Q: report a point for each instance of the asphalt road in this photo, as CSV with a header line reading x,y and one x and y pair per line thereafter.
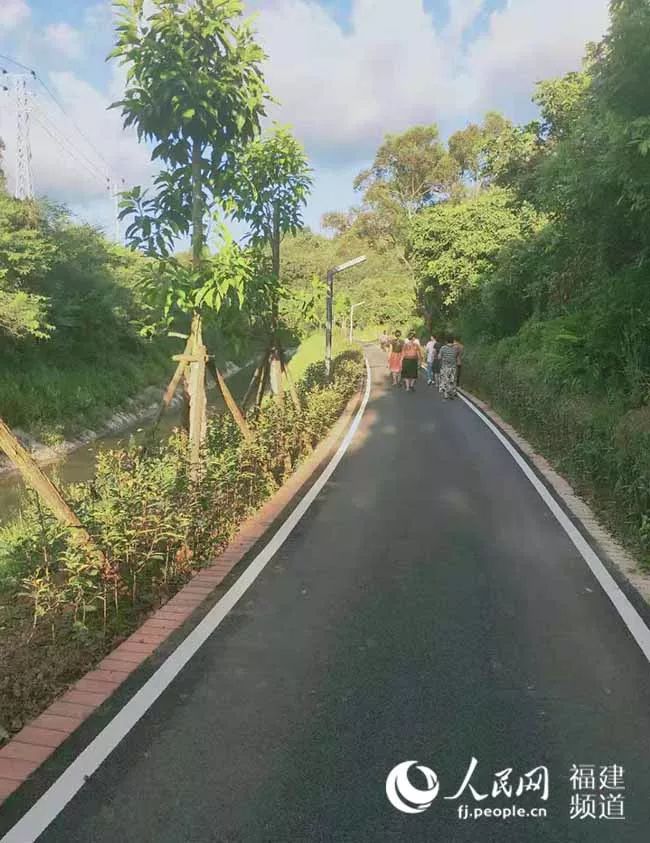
x,y
428,607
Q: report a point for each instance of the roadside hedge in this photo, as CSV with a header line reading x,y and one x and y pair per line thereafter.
x,y
60,611
600,443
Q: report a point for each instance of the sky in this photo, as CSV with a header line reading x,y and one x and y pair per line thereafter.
x,y
345,72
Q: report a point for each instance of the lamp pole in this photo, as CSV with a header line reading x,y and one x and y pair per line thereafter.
x,y
329,312
352,306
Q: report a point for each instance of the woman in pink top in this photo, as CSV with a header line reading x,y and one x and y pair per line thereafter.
x,y
395,357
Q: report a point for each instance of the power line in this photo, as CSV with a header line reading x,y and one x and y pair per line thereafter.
x,y
65,139
60,141
18,64
58,102
112,184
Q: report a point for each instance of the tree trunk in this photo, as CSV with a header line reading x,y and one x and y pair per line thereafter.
x,y
197,393
261,389
47,491
276,375
276,366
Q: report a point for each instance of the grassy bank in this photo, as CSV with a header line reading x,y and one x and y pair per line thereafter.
x,y
597,441
55,398
312,352
54,394
61,611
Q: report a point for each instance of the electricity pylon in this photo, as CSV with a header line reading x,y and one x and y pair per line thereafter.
x,y
24,182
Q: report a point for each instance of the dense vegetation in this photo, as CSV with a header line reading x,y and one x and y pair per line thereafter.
x,y
70,311
533,243
156,523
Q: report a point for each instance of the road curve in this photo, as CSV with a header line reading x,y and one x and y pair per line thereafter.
x,y
428,607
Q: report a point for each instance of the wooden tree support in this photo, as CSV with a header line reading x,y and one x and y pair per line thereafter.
x,y
254,382
173,385
185,361
273,357
292,387
47,491
196,388
230,402
264,379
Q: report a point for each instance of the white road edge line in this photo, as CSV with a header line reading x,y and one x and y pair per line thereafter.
x,y
631,618
53,801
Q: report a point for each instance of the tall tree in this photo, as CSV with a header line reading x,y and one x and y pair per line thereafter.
x,y
453,246
272,181
195,88
410,171
470,147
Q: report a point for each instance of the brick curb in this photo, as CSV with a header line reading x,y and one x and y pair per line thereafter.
x,y
623,562
37,741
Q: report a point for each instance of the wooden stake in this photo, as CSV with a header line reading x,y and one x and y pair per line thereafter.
x,y
254,380
47,491
276,375
236,413
263,380
292,387
172,386
198,403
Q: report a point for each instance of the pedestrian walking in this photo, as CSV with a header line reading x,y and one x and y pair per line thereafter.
x,y
411,359
396,346
384,340
436,364
460,348
448,362
431,354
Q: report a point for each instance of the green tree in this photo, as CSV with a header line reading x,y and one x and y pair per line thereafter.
x,y
474,146
453,246
410,171
195,88
26,256
272,184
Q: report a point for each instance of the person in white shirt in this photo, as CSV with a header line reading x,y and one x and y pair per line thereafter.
x,y
431,351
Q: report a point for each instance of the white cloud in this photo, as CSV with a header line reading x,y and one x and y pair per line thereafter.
x,y
13,13
65,39
98,16
343,89
529,41
69,164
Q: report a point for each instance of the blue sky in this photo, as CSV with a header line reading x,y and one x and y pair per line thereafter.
x,y
345,71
